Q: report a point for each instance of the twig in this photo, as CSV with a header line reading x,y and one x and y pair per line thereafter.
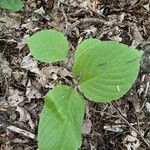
x,y
147,88
19,130
85,21
143,104
64,14
126,121
6,84
145,94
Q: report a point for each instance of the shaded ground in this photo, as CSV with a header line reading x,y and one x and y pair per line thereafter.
x,y
24,81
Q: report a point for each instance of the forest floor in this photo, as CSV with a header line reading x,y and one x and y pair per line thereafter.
x,y
123,124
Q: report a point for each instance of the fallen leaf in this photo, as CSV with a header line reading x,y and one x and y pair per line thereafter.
x,y
86,128
137,37
4,66
147,106
29,64
33,90
15,97
131,142
25,116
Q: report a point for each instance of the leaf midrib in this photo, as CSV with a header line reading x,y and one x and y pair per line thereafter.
x,y
65,123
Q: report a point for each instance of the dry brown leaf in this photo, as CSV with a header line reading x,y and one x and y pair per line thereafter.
x,y
29,64
15,97
137,37
4,66
131,142
25,116
86,127
33,90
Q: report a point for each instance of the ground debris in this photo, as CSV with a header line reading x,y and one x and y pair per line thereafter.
x,y
24,81
15,97
4,67
29,64
131,142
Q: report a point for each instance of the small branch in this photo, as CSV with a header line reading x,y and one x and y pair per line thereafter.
x,y
147,88
7,85
85,21
64,15
126,121
18,130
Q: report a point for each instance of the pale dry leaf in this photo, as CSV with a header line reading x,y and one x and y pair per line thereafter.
x,y
25,116
18,75
131,142
147,106
33,93
92,147
15,97
22,113
4,66
135,101
29,64
116,38
11,22
24,79
85,4
121,17
28,25
40,11
140,90
23,42
49,70
3,105
46,74
33,90
148,135
133,133
63,73
133,2
54,76
92,30
113,128
147,7
87,111
73,3
137,37
86,128
145,62
17,140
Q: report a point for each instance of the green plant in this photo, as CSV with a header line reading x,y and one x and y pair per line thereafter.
x,y
12,5
105,71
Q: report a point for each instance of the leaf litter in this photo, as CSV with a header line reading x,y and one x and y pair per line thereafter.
x,y
24,81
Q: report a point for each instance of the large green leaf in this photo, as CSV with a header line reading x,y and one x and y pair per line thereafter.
x,y
106,70
61,120
48,46
12,5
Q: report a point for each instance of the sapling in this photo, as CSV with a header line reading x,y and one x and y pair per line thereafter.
x,y
105,71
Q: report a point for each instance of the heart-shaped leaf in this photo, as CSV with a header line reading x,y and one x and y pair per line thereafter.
x,y
61,120
12,5
106,70
48,46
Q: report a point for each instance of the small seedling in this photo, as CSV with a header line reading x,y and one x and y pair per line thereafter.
x,y
12,5
105,71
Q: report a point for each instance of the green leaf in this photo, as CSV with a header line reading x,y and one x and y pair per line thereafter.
x,y
106,70
61,120
12,5
48,46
